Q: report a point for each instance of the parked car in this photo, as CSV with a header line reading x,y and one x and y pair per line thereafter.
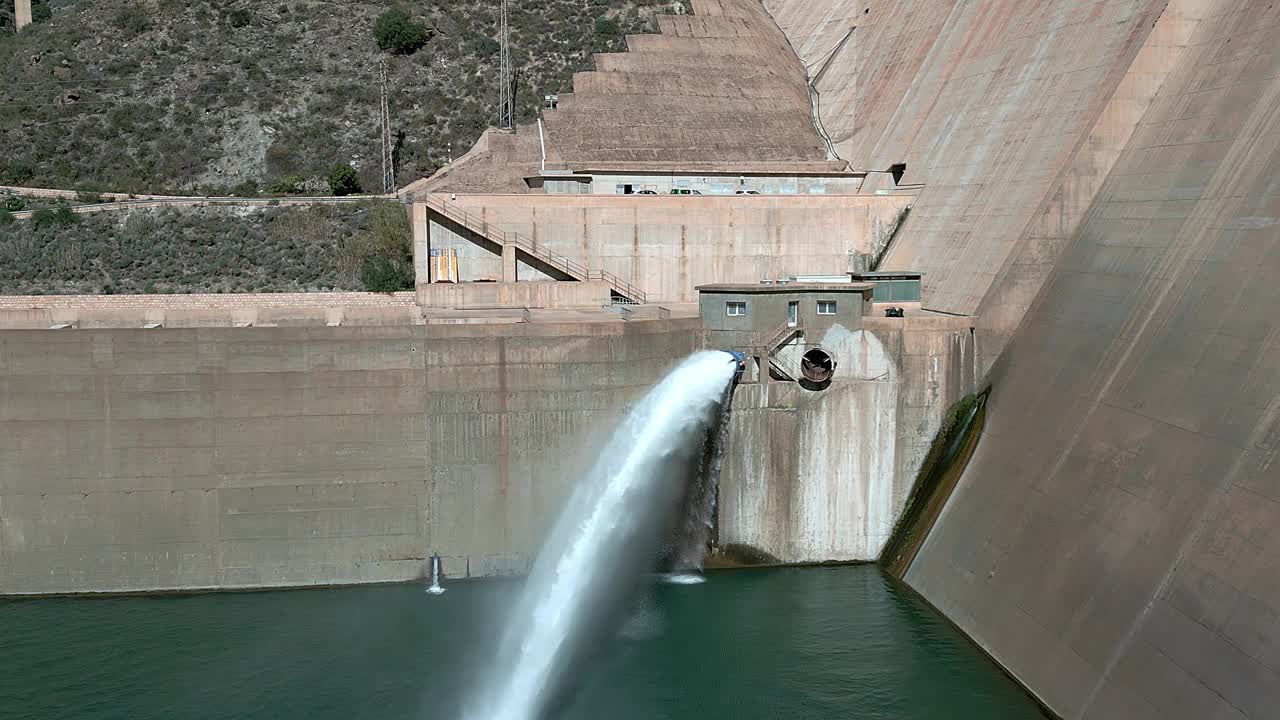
x,y
746,192
684,191
646,192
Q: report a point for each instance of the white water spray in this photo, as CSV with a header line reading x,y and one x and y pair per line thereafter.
x,y
435,588
603,547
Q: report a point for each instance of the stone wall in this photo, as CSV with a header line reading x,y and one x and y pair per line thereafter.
x,y
136,460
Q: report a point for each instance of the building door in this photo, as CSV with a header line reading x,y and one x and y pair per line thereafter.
x,y
793,313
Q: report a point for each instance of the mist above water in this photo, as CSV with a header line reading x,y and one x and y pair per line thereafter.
x,y
600,554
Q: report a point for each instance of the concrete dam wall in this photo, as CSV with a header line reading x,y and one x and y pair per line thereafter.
x,y
1100,191
264,457
1134,427
813,476
1010,113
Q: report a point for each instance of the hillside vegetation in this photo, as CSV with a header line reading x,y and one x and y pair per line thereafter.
x,y
209,96
211,249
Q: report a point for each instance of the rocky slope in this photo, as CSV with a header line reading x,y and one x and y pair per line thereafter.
x,y
198,95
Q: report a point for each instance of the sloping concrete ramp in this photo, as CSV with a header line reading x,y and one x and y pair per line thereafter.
x,y
1115,541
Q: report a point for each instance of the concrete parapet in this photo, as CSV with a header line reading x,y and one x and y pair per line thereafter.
x,y
534,294
208,310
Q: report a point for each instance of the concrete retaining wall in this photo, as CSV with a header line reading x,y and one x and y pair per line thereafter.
x,y
262,457
668,245
823,475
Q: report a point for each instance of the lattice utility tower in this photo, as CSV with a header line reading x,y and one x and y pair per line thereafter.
x,y
388,157
506,99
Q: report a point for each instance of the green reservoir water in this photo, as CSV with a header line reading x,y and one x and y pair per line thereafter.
x,y
792,644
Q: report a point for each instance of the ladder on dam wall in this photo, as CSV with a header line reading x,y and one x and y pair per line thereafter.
x,y
624,291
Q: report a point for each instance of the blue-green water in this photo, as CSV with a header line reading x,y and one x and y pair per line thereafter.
x,y
797,644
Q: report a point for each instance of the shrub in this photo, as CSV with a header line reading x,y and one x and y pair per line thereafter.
x,y
384,274
397,33
40,10
131,19
64,215
14,204
240,17
15,172
605,26
382,254
290,185
6,217
343,180
61,215
88,197
248,188
483,45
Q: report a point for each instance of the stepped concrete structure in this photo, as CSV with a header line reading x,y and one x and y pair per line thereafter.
x,y
719,89
1096,216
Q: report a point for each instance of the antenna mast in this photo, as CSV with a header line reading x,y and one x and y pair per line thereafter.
x,y
388,157
506,104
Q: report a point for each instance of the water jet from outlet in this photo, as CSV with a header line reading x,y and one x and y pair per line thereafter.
x,y
602,549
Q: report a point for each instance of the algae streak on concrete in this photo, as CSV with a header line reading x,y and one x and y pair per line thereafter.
x,y
135,460
817,475
1115,541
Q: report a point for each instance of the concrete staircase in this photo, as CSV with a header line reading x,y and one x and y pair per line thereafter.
x,y
541,255
768,346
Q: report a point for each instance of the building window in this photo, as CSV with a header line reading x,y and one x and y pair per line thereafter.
x,y
793,313
735,309
826,307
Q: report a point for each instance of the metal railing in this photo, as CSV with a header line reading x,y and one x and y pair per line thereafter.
x,y
780,336
544,254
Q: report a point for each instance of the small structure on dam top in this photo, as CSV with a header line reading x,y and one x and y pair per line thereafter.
x,y
764,322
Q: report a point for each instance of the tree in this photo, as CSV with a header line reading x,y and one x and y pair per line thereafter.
x,y
40,10
383,274
382,254
397,33
343,180
606,26
131,19
15,172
